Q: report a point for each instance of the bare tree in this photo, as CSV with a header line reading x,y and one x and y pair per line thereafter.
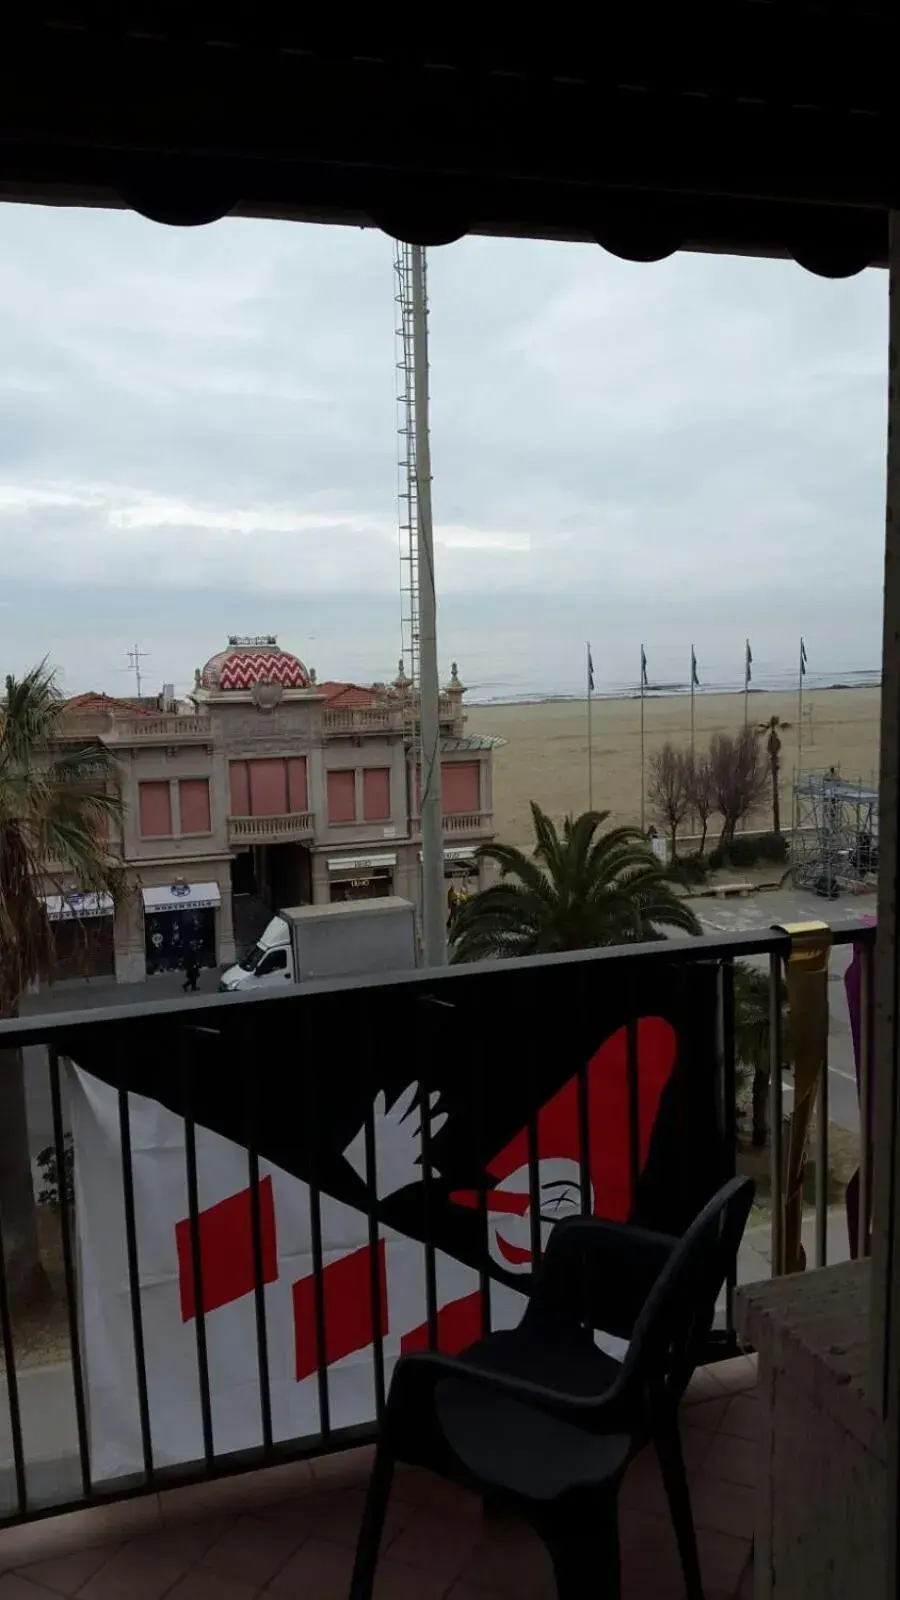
x,y
700,786
739,777
669,789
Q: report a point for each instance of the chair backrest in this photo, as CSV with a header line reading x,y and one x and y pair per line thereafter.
x,y
679,1309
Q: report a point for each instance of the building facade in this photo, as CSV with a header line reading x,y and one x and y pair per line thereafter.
x,y
264,789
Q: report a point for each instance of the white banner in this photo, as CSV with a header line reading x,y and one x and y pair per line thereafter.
x,y
167,1283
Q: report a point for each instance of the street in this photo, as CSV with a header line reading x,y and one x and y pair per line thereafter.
x,y
91,996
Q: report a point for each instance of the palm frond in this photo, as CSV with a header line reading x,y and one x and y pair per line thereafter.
x,y
57,799
580,889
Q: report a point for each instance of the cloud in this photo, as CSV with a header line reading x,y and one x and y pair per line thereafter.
x,y
203,422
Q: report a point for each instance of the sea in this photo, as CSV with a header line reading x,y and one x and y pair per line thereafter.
x,y
500,692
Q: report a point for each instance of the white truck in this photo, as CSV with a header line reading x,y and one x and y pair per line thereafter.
x,y
345,940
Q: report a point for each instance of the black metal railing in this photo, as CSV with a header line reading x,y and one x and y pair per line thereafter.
x,y
418,1136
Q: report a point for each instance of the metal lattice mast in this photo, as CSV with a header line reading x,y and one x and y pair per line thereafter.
x,y
407,491
418,597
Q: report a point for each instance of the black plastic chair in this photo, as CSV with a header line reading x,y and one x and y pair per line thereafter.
x,y
539,1419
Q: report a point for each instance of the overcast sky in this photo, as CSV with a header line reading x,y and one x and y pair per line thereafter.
x,y
198,436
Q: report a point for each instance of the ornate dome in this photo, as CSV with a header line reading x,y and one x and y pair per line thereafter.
x,y
249,661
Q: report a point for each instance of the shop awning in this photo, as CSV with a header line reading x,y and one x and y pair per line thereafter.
x,y
72,907
182,897
360,863
458,852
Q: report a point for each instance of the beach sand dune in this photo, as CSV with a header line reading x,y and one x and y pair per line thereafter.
x,y
546,756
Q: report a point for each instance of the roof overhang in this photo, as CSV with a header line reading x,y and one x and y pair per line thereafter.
x,y
760,127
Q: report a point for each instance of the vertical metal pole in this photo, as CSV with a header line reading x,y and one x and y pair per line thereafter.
x,y
800,712
692,702
884,1375
776,1142
589,731
434,924
643,795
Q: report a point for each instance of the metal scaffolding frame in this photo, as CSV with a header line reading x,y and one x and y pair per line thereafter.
x,y
835,844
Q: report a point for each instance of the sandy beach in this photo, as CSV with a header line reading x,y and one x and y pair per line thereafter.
x,y
545,758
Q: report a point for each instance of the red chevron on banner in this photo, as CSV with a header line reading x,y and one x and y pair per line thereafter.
x,y
225,1236
347,1292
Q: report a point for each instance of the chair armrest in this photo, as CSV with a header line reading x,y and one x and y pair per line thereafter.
x,y
599,1272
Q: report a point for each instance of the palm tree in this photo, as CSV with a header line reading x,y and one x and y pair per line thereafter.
x,y
772,728
577,890
56,799
752,1039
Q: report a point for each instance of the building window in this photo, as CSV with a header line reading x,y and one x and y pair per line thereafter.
x,y
376,794
268,788
459,787
239,786
193,796
341,796
155,810
298,796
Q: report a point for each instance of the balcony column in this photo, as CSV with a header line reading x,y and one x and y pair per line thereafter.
x,y
884,1373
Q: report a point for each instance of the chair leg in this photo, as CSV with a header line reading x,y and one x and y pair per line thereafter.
x,y
671,1461
584,1549
371,1527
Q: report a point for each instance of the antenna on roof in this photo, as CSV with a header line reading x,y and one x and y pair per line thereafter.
x,y
135,656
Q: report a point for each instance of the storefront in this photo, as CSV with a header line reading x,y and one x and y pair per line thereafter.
x,y
361,877
177,918
460,876
83,935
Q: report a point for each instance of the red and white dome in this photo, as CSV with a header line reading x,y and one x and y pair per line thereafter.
x,y
250,661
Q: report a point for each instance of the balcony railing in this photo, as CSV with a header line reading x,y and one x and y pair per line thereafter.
x,y
169,728
271,830
247,1188
379,719
365,719
470,822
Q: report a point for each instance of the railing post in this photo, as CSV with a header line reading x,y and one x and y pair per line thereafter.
x,y
776,1142
807,985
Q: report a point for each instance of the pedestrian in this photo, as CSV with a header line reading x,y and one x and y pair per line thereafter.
x,y
191,971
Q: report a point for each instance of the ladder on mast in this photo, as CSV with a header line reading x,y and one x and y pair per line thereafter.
x,y
407,490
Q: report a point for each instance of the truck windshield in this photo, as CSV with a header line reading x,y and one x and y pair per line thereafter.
x,y
252,959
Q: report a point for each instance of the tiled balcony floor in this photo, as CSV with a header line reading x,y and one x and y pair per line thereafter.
x,y
289,1532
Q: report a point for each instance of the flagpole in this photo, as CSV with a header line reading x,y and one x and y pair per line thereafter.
x,y
800,709
693,677
747,686
643,677
590,685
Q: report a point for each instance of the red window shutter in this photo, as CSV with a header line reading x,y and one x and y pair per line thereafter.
x,y
193,799
155,810
341,796
377,794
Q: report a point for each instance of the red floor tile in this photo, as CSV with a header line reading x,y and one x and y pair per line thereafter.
x,y
731,1459
741,1416
291,1532
319,1571
253,1551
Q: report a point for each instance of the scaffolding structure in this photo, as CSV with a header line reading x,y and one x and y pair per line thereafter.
x,y
835,844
